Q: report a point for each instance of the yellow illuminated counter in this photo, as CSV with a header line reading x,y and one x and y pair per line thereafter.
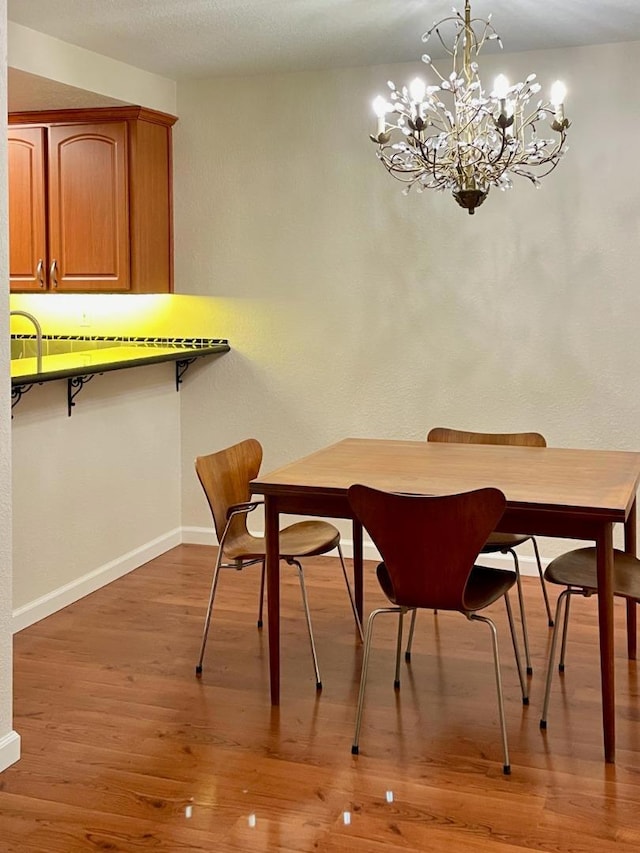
x,y
78,359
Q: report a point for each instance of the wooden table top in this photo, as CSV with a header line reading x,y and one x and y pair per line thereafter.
x,y
598,483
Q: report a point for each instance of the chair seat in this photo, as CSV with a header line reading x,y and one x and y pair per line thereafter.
x,y
578,568
502,541
484,586
302,539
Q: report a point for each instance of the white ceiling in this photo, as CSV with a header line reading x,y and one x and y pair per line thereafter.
x,y
200,38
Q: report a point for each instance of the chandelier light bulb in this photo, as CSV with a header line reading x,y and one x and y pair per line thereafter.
x,y
380,107
501,87
417,90
457,135
558,93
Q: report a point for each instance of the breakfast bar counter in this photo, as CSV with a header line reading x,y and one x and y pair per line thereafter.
x,y
77,359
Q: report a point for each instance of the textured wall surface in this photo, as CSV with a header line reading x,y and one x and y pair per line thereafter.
x,y
91,488
6,688
353,310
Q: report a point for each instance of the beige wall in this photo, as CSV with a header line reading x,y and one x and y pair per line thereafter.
x,y
9,741
359,311
91,490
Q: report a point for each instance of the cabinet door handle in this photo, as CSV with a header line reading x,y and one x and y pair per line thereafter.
x,y
40,273
53,277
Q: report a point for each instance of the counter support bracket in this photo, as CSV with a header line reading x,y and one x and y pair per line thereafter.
x,y
181,369
77,383
18,392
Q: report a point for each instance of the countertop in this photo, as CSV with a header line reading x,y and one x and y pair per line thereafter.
x,y
68,356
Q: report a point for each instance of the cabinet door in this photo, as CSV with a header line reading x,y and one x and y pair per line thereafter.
x,y
27,231
88,207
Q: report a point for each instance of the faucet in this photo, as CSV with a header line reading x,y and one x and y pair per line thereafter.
x,y
38,329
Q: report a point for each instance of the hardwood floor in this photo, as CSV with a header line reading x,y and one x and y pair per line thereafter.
x,y
123,749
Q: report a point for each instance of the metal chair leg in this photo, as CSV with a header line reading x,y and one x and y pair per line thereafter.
x,y
396,681
516,651
563,598
365,668
506,767
542,583
262,575
349,591
207,621
412,626
305,603
523,615
565,632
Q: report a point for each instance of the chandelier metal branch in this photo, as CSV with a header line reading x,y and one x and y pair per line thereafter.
x,y
452,135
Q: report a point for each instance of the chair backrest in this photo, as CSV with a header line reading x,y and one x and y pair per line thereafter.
x,y
225,478
459,436
428,544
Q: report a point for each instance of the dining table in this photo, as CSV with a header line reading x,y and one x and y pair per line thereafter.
x,y
550,491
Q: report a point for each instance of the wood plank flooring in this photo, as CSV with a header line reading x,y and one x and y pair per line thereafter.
x,y
123,749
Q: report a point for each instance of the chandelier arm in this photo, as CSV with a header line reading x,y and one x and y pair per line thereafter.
x,y
511,159
396,164
503,145
489,30
441,124
534,177
431,163
435,30
433,68
459,21
532,118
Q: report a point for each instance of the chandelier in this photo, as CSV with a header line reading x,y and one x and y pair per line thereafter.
x,y
453,135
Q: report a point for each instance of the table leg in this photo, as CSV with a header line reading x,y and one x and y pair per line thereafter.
x,y
630,548
271,519
604,549
358,586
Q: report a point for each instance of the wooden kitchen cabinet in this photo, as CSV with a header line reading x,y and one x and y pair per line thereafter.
x,y
27,231
90,201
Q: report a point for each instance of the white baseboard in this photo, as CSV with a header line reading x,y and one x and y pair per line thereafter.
x,y
9,750
42,607
527,564
199,536
70,592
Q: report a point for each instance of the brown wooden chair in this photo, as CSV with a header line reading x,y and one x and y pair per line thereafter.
x,y
577,571
225,478
428,546
504,543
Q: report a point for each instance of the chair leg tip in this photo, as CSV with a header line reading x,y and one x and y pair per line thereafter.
x,y
407,657
529,670
396,685
551,623
354,749
506,769
525,700
543,724
198,671
318,685
561,668
259,623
